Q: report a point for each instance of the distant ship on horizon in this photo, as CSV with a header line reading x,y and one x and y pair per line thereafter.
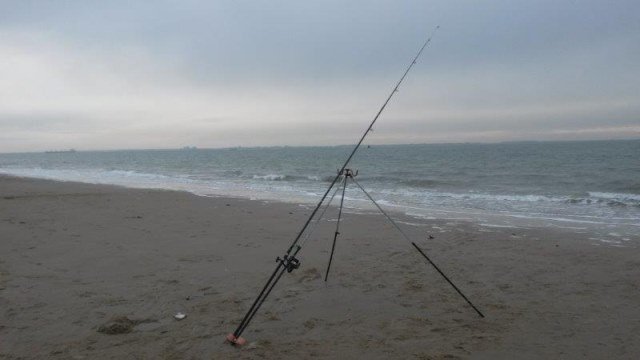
x,y
60,151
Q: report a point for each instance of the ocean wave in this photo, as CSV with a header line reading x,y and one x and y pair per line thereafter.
x,y
606,198
271,177
591,198
473,196
97,176
284,177
615,196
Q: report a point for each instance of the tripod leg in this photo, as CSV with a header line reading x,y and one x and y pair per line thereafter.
x,y
335,235
419,250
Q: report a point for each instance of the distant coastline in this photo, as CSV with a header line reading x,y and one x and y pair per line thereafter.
x,y
327,146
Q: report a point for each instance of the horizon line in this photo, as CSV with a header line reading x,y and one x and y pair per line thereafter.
x,y
195,148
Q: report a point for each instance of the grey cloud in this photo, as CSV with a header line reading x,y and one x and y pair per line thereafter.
x,y
496,67
328,38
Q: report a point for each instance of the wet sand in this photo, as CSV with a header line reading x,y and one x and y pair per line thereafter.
x,y
74,256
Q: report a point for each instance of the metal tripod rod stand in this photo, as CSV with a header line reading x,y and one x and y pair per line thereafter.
x,y
289,262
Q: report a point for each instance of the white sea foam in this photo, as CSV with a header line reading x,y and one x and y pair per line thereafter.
x,y
132,179
615,196
490,210
270,177
498,226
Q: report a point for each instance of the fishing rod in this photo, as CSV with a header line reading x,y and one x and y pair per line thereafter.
x,y
289,262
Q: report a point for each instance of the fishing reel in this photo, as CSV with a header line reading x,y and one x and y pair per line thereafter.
x,y
290,262
348,173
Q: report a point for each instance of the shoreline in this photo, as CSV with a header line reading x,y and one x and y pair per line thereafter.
x,y
601,232
75,255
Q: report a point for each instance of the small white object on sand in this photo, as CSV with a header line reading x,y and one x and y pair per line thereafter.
x,y
180,316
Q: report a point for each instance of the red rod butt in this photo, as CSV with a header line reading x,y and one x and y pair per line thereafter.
x,y
236,341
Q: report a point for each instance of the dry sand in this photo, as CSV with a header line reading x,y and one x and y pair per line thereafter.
x,y
75,256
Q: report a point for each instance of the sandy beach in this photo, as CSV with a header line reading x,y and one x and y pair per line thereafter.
x,y
74,257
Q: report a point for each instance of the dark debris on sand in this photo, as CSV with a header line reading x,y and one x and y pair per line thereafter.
x,y
117,325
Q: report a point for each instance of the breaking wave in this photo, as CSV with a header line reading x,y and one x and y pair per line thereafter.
x,y
280,177
424,189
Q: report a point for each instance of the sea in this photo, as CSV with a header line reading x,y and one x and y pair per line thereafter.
x,y
585,186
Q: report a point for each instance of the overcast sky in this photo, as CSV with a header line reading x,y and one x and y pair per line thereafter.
x,y
164,74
